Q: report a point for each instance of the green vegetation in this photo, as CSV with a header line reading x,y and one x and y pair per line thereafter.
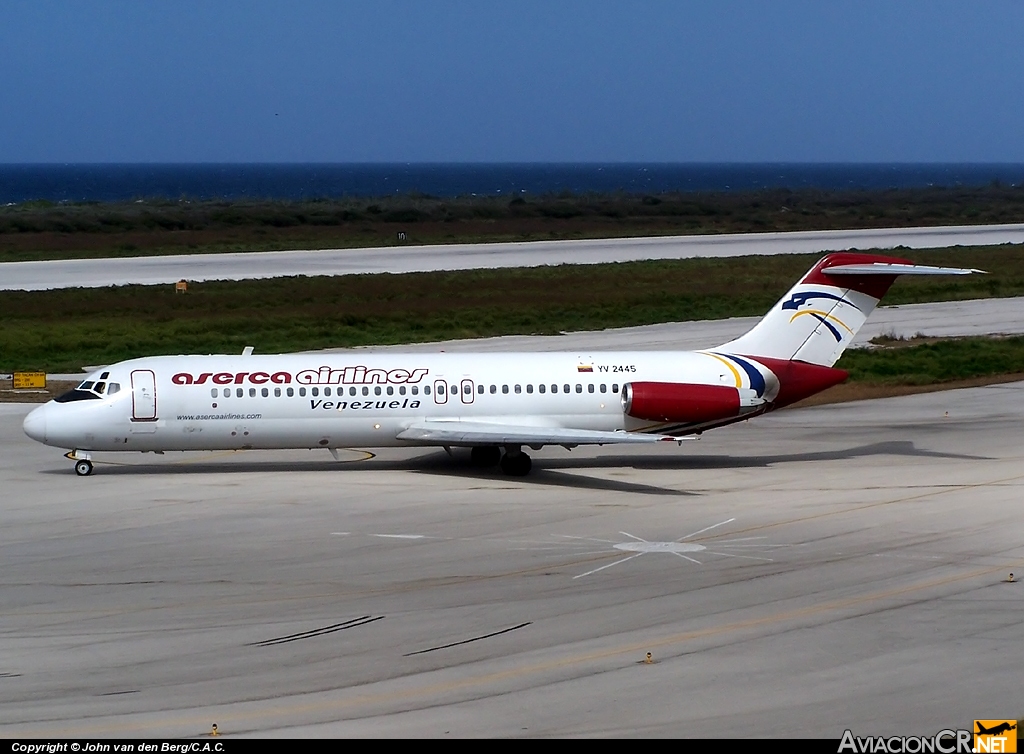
x,y
42,230
64,329
934,363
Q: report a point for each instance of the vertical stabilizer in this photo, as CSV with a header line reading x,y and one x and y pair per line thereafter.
x,y
819,317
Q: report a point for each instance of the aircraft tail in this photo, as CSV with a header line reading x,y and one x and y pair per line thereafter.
x,y
819,317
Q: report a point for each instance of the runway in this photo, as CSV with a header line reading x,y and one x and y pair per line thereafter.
x,y
93,273
807,572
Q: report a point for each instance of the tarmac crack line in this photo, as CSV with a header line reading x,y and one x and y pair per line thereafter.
x,y
354,623
470,641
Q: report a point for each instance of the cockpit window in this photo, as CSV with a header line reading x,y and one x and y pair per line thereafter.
x,y
105,375
77,395
90,391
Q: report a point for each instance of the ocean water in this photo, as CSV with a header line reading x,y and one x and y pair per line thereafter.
x,y
118,183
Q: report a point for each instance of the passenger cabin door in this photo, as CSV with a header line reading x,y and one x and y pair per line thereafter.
x,y
143,396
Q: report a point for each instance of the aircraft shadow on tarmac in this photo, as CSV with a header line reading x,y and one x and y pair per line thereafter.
x,y
546,471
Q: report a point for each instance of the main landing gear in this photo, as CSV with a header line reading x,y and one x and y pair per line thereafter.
x,y
485,455
514,462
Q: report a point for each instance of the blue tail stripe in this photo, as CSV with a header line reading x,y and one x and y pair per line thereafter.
x,y
755,377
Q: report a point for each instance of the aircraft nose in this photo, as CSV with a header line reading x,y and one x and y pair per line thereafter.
x,y
35,424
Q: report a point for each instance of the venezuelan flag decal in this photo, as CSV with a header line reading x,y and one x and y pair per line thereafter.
x,y
584,368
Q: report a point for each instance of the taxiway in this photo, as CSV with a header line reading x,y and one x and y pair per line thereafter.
x,y
810,571
156,270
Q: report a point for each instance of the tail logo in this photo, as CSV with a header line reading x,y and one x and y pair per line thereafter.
x,y
824,318
799,299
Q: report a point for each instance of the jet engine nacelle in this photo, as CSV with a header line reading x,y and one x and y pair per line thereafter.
x,y
686,402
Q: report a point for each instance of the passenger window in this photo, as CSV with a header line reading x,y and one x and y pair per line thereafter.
x,y
467,388
366,390
542,387
604,388
504,389
565,388
426,390
213,392
327,391
590,388
252,392
302,392
480,389
391,390
519,389
115,387
291,392
579,388
376,390
277,392
494,389
351,391
265,393
554,388
615,388
239,392
455,389
401,390
314,391
529,388
416,390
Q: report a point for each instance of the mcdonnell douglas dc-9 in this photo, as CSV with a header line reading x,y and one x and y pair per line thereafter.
x,y
495,404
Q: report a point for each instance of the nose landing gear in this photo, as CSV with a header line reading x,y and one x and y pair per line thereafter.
x,y
83,464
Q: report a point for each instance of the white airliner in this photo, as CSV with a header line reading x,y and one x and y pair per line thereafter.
x,y
492,403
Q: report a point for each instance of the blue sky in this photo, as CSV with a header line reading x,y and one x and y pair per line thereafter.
x,y
434,81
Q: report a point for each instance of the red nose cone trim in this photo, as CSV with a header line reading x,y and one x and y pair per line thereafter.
x,y
799,380
873,285
681,402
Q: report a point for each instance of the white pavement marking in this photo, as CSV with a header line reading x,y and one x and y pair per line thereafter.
x,y
95,273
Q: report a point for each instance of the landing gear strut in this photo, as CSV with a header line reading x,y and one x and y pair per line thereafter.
x,y
515,462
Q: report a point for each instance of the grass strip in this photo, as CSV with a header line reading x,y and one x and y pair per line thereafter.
x,y
61,330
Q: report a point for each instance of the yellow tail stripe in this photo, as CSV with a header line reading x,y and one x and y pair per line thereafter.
x,y
735,372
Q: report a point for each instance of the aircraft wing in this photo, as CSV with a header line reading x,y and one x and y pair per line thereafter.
x,y
480,433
